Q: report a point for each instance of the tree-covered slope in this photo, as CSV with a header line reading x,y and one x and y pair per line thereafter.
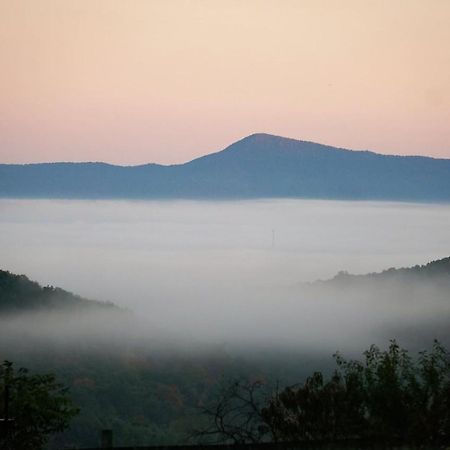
x,y
434,271
20,294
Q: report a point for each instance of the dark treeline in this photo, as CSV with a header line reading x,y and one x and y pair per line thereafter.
x,y
20,294
438,270
387,397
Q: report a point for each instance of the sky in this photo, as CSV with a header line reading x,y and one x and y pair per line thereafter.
x,y
138,81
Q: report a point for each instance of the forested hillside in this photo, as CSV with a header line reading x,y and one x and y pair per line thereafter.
x,y
152,392
20,294
438,270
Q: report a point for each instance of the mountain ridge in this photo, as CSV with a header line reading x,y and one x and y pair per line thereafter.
x,y
439,268
251,137
257,166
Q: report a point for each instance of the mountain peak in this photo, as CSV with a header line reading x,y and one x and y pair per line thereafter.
x,y
275,146
275,142
259,136
266,138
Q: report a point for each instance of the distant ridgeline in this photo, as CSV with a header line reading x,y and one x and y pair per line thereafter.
x,y
19,294
438,270
258,166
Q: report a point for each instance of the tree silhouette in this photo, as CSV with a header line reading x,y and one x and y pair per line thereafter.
x,y
387,397
33,407
236,416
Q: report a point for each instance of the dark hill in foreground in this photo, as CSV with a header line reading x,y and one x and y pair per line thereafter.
x,y
257,166
19,294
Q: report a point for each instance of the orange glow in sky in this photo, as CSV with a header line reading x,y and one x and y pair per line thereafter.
x,y
140,81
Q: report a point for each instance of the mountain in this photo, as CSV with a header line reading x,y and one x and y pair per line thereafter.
x,y
257,166
20,294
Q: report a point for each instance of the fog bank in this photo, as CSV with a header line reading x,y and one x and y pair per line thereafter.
x,y
231,272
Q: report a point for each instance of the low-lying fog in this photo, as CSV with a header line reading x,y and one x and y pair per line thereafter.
x,y
231,272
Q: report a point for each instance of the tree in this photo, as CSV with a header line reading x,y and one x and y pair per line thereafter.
x,y
32,407
403,398
236,415
387,397
315,410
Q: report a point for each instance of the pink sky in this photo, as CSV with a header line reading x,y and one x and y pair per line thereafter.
x,y
139,81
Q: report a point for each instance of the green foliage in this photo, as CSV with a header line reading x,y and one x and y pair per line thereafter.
x,y
317,410
388,397
37,405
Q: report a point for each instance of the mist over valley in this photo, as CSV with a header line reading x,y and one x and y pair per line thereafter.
x,y
238,274
204,292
